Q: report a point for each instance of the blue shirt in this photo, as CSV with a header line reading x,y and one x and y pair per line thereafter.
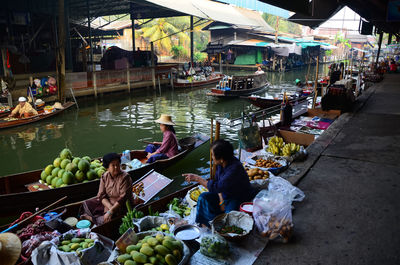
x,y
232,181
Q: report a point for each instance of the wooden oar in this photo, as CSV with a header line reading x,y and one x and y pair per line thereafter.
x,y
33,215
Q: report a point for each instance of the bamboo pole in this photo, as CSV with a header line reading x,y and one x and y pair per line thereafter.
x,y
128,77
61,52
153,71
316,84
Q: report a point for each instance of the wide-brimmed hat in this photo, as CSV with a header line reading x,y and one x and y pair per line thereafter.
x,y
165,119
58,105
10,248
39,101
22,99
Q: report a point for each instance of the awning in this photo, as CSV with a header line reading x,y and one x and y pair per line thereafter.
x,y
214,11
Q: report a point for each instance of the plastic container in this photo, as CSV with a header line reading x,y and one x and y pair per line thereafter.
x,y
83,224
72,221
247,207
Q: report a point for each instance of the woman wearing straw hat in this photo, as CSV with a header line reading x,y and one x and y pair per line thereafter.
x,y
169,146
10,248
23,109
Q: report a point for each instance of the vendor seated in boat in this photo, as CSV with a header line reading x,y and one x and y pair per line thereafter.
x,y
259,71
229,188
114,190
23,109
169,145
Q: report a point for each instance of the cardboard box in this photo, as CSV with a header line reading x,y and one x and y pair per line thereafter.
x,y
296,137
330,114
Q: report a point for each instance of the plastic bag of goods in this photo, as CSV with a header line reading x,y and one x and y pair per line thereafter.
x,y
214,246
272,209
74,247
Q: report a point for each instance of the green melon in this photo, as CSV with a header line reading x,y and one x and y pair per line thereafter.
x,y
59,182
57,162
80,175
43,175
91,174
48,179
71,167
76,160
48,169
54,172
84,165
60,173
66,154
68,177
87,158
100,172
63,185
54,181
64,163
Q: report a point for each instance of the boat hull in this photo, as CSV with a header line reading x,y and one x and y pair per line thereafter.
x,y
197,83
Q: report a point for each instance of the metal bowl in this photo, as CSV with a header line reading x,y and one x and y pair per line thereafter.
x,y
187,232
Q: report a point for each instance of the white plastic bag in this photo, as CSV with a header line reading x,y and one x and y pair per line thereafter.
x,y
272,209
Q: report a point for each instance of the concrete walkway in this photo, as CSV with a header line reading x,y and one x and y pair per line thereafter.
x,y
351,214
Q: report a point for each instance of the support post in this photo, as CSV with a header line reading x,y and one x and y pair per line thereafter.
x,y
191,39
153,71
159,84
128,77
68,51
220,63
133,28
171,79
61,52
273,63
94,84
316,84
379,47
90,34
4,61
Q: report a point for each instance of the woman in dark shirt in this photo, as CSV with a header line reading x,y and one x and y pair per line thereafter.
x,y
229,188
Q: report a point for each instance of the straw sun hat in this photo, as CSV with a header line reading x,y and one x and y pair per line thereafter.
x,y
10,248
165,119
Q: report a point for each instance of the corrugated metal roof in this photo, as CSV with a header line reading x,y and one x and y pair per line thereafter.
x,y
215,11
259,6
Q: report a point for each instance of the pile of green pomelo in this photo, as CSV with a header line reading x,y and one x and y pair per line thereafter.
x,y
67,170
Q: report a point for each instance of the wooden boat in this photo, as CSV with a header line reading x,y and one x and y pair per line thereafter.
x,y
111,229
5,113
18,194
237,86
264,103
41,116
183,83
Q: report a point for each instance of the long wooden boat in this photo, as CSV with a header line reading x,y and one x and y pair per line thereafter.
x,y
5,113
183,83
41,116
17,195
264,103
237,86
111,229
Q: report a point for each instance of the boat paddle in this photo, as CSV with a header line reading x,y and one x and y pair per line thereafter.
x,y
33,215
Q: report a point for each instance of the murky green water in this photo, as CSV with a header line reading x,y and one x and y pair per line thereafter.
x,y
116,122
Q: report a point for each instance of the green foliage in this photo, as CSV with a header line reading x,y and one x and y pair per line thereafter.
x,y
200,56
339,39
328,52
178,51
284,25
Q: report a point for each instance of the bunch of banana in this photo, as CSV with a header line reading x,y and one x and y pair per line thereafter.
x,y
194,195
290,149
275,145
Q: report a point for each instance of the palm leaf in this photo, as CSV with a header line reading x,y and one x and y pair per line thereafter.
x,y
148,32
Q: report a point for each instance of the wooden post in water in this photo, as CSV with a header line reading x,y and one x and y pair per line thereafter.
x,y
153,70
211,141
159,84
220,63
273,63
281,65
60,58
128,77
94,83
171,79
316,84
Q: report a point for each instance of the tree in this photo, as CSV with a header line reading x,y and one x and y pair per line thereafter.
x,y
284,25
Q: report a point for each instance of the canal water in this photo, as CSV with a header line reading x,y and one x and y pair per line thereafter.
x,y
116,122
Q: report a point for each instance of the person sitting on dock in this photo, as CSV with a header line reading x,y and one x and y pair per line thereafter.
x,y
259,71
114,190
23,109
230,187
169,145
